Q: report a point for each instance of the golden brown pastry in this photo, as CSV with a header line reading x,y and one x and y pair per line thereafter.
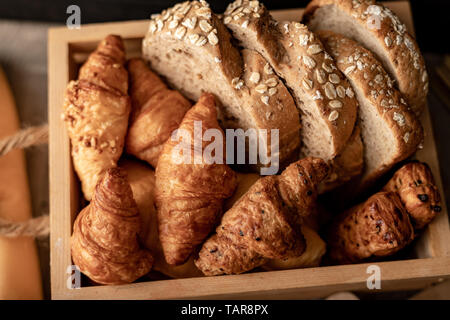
x,y
378,227
264,223
156,112
96,109
142,182
315,246
189,196
105,234
315,249
415,185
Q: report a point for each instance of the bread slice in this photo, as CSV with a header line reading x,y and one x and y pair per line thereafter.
x,y
347,165
190,46
378,29
390,131
297,56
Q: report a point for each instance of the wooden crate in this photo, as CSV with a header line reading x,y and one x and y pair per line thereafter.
x,y
67,49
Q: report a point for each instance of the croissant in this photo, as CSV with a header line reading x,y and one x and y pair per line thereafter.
x,y
96,110
189,196
378,227
265,223
156,112
418,192
105,236
315,250
142,182
315,246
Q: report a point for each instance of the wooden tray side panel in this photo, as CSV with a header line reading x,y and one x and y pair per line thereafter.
x,y
67,49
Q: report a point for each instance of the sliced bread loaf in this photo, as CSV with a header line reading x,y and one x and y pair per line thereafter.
x,y
322,94
347,165
378,29
190,46
389,129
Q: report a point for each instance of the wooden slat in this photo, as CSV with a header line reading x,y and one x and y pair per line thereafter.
x,y
292,284
67,49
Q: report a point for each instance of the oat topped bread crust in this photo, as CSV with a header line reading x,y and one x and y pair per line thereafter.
x,y
298,57
368,75
191,47
381,31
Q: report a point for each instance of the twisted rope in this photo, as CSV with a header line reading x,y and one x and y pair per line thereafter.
x,y
24,138
37,227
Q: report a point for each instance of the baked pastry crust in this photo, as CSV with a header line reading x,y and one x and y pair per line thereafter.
x,y
406,63
96,110
142,182
415,185
378,227
104,241
189,196
156,112
265,222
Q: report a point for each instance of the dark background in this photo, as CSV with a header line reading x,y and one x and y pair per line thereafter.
x,y
431,17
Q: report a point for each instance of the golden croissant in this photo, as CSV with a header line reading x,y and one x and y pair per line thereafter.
x,y
142,182
96,110
378,227
156,112
265,223
189,196
418,192
315,246
105,235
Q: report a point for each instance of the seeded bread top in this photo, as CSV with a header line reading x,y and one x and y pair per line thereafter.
x,y
298,57
366,72
406,63
194,21
181,46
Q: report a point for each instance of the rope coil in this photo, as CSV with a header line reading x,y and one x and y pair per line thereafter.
x,y
38,227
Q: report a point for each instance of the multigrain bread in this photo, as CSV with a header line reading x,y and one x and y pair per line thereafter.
x,y
347,165
418,192
297,56
378,29
190,46
390,130
376,228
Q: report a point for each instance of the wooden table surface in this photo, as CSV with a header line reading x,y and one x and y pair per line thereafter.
x,y
23,56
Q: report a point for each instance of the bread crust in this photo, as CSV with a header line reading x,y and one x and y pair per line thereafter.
x,y
400,47
378,227
368,75
298,63
242,107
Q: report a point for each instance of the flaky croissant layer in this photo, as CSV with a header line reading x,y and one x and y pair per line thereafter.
x,y
96,109
105,237
265,223
189,196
